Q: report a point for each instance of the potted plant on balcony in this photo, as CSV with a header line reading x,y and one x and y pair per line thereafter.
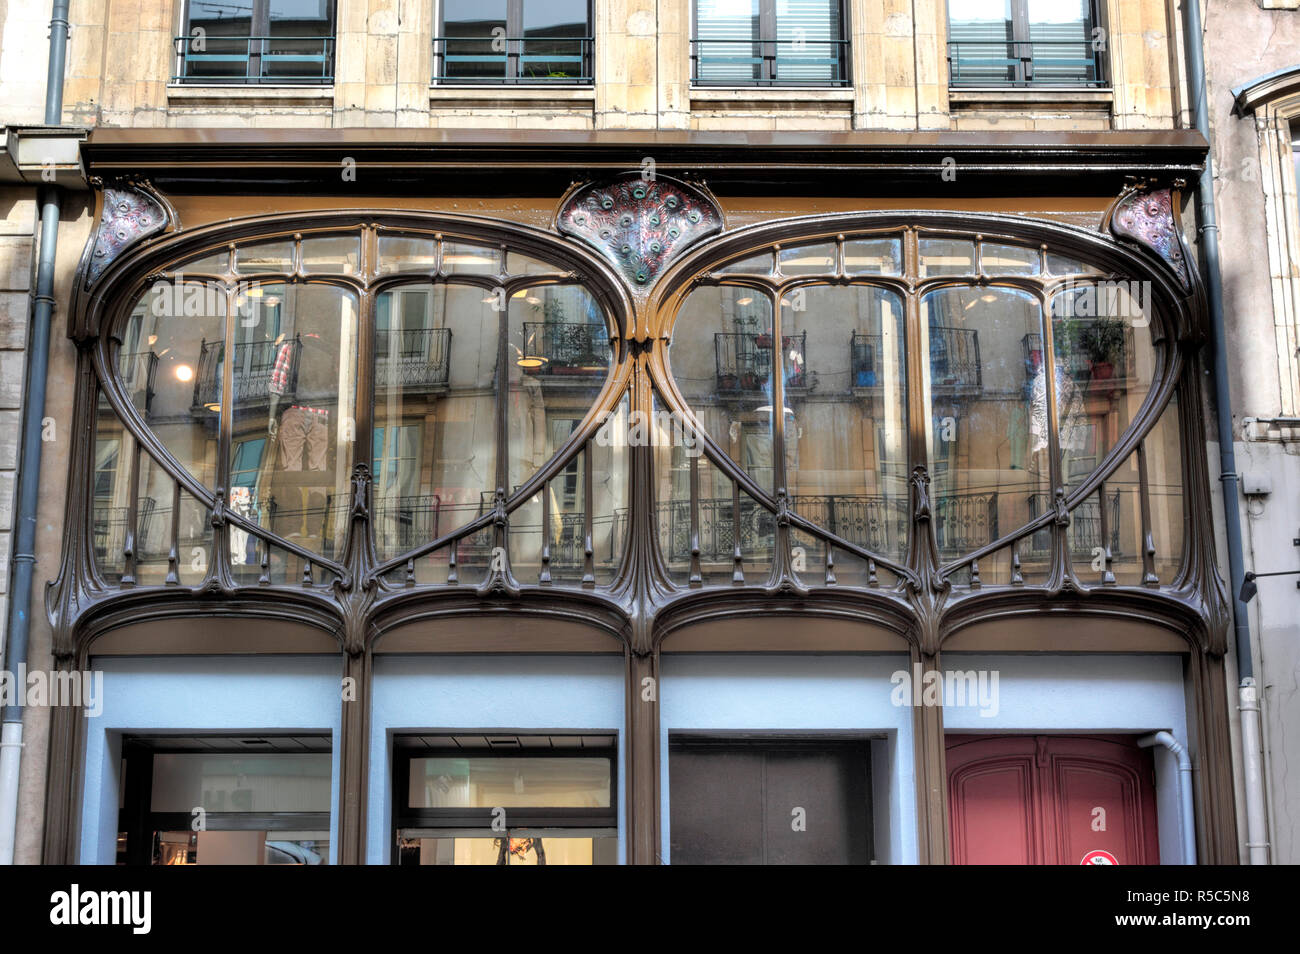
x,y
763,341
1103,343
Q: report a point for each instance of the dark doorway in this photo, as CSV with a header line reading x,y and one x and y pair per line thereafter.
x,y
770,801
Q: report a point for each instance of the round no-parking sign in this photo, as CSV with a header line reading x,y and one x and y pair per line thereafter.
x,y
1099,857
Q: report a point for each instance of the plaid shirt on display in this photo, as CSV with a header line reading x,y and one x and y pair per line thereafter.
x,y
280,372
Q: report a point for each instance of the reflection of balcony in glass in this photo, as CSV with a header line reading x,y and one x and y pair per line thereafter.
x,y
139,374
1093,352
255,362
414,359
1088,530
565,348
955,358
744,360
110,526
875,522
864,351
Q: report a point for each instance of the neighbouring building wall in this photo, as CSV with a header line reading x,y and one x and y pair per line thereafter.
x,y
1258,223
73,230
17,232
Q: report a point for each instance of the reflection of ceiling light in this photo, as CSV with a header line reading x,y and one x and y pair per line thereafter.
x,y
214,408
255,292
520,294
272,301
745,301
528,361
468,260
153,340
533,300
767,409
184,372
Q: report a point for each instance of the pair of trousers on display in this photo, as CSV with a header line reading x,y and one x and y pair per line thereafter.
x,y
303,428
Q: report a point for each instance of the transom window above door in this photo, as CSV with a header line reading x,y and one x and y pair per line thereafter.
x,y
1025,43
545,42
769,43
275,42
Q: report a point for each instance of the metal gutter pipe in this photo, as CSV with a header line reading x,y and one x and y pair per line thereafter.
x,y
29,474
1187,813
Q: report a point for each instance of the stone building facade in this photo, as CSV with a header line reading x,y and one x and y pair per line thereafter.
x,y
938,359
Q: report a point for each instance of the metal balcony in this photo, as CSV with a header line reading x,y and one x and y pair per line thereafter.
x,y
743,361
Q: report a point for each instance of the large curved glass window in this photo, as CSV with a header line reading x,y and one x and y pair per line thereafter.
x,y
245,364
988,430
892,350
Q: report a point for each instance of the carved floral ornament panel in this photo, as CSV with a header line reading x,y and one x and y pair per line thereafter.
x,y
481,386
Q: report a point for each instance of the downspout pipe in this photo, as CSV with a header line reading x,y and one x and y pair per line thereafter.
x,y
1186,813
29,473
1256,830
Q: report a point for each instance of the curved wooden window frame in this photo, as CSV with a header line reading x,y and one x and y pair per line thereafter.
x,y
923,601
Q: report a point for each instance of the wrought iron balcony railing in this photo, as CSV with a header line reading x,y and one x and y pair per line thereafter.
x,y
744,361
963,522
577,348
254,365
797,61
549,60
955,357
238,60
109,528
998,62
412,359
1089,528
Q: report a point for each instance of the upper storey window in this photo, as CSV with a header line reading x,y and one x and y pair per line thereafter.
x,y
270,369
514,41
1024,43
769,43
829,370
263,41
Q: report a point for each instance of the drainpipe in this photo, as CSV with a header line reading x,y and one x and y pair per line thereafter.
x,y
38,359
1186,814
1256,831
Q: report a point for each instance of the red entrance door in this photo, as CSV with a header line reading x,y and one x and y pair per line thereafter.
x,y
1047,800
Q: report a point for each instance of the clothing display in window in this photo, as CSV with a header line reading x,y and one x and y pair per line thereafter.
x,y
303,429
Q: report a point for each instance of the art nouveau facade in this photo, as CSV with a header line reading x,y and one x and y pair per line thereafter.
x,y
617,496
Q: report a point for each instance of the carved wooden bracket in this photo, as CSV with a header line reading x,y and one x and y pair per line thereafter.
x,y
1149,216
640,225
129,214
